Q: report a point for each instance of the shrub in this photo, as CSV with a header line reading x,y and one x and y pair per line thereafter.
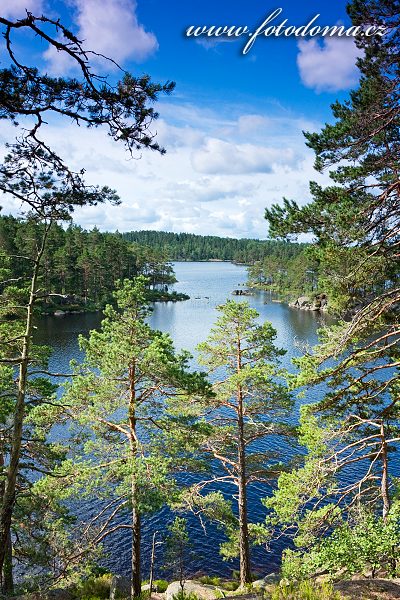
x,y
94,588
210,580
230,586
161,585
185,596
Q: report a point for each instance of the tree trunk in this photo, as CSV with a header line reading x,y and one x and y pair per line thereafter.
x,y
19,412
385,475
8,580
244,548
6,575
153,556
136,581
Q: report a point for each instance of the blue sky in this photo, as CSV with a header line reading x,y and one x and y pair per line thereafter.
x,y
233,127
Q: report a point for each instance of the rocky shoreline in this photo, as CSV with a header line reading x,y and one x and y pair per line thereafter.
x,y
318,303
61,310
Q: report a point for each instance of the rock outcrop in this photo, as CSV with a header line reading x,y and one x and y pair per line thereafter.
x,y
120,587
266,581
202,591
369,589
319,303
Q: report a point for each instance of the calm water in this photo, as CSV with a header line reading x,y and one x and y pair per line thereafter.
x,y
208,284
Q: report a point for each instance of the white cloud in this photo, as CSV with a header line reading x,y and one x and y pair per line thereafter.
x,y
172,136
251,123
218,156
210,189
168,193
108,27
328,67
16,9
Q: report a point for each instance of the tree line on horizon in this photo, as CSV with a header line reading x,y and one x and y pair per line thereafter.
x,y
194,247
145,427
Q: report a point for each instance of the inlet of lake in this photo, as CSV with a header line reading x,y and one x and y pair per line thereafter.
x,y
208,284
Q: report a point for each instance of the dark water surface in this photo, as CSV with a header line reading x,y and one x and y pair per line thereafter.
x,y
189,322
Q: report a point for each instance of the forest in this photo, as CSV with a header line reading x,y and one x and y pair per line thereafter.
x,y
189,246
79,268
145,428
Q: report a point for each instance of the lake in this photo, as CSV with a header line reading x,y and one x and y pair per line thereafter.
x,y
189,322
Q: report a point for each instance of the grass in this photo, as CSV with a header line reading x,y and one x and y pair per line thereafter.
x,y
229,586
304,590
210,580
94,588
185,596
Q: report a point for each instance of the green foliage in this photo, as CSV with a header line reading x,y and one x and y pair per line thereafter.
x,y
360,544
288,275
80,267
189,246
347,477
48,191
354,220
41,544
94,588
178,549
177,533
122,403
161,585
182,595
304,590
311,499
229,586
210,580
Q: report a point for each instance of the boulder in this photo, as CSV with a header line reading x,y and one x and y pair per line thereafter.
x,y
267,580
59,313
205,592
259,583
120,587
146,587
373,589
303,301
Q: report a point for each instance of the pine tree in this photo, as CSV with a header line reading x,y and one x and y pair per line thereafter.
x,y
47,188
177,552
129,395
251,403
355,222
